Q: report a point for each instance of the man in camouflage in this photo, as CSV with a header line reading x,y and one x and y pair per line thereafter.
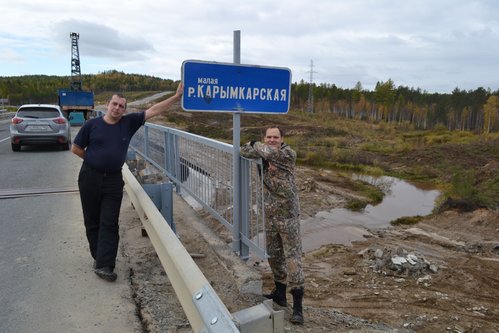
x,y
282,211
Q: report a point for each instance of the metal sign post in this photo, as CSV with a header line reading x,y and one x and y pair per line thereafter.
x,y
236,176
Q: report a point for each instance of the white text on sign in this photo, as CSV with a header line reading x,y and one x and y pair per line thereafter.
x,y
230,92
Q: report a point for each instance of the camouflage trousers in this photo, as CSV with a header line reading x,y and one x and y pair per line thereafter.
x,y
284,248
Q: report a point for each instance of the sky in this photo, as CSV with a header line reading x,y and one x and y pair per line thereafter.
x,y
433,45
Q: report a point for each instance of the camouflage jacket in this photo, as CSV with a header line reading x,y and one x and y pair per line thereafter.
x,y
281,193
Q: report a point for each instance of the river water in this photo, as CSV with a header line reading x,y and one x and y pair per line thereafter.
x,y
342,226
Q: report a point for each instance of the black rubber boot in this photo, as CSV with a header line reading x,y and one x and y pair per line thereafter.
x,y
297,317
278,294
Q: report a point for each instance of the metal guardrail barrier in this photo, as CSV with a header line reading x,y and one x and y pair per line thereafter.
x,y
202,168
184,275
202,306
6,115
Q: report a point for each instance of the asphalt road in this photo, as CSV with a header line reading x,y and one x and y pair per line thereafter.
x,y
46,279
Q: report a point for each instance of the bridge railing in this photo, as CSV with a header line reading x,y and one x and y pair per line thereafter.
x,y
203,169
4,115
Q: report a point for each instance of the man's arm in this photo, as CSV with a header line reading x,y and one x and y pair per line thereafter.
x,y
248,151
265,151
162,106
77,151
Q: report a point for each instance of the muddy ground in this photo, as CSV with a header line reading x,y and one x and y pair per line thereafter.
x,y
448,283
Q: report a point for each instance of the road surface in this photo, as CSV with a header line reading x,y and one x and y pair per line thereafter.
x,y
47,283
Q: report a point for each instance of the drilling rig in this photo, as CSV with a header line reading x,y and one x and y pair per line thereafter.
x,y
76,103
75,63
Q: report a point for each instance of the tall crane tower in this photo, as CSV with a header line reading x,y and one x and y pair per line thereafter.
x,y
75,63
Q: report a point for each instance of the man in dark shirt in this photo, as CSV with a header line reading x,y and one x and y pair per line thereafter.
x,y
102,143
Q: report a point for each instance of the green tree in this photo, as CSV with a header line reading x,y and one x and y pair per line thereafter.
x,y
385,98
491,113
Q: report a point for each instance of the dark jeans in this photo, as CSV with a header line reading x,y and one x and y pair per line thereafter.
x,y
101,195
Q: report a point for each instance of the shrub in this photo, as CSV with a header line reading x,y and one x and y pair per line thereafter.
x,y
356,205
407,220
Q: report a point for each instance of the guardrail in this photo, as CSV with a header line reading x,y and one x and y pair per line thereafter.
x,y
202,168
202,306
6,115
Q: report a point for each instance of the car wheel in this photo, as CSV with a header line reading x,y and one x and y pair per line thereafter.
x,y
65,146
16,147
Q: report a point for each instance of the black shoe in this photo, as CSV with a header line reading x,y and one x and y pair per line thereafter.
x,y
106,273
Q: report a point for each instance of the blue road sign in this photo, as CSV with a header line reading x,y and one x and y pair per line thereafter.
x,y
213,86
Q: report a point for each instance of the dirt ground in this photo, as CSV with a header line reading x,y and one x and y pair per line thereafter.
x,y
456,289
349,288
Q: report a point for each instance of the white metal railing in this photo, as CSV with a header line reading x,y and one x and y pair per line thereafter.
x,y
203,168
6,115
183,273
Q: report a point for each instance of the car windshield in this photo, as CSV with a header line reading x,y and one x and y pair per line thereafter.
x,y
37,113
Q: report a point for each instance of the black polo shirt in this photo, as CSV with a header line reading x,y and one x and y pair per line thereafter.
x,y
106,145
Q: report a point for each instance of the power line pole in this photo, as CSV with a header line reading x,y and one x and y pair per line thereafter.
x,y
310,103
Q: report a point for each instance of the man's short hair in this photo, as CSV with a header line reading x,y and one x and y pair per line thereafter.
x,y
119,95
281,131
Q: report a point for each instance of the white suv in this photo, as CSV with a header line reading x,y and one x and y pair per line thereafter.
x,y
36,124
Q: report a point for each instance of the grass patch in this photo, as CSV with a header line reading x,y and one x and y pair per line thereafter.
x,y
372,192
356,205
466,187
407,220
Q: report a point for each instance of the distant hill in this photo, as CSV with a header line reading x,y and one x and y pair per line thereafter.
x,y
475,110
43,88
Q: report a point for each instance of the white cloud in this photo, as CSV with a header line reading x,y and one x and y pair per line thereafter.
x,y
10,55
433,45
100,41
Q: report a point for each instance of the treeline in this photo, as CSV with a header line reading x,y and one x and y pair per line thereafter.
x,y
43,88
476,110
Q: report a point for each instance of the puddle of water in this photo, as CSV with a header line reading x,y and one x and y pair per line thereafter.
x,y
342,226
401,199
